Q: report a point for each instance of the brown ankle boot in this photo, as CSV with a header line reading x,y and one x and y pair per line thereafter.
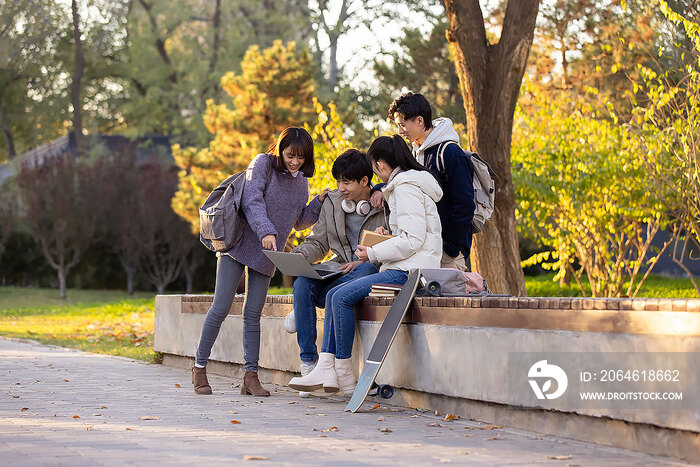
x,y
199,379
251,385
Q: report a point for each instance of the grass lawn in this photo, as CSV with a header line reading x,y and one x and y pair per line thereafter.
x,y
654,286
114,323
103,321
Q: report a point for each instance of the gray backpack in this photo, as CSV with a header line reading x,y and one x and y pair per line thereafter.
x,y
221,219
483,180
447,282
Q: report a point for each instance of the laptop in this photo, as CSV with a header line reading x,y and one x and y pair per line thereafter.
x,y
294,264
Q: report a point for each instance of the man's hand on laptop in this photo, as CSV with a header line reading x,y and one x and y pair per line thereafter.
x,y
269,242
347,267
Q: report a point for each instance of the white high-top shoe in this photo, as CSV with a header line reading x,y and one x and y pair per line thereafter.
x,y
323,376
346,378
305,370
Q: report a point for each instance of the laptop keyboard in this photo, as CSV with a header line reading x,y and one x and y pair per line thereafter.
x,y
325,273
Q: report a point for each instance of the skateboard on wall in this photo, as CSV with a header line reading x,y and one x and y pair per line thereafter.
x,y
382,344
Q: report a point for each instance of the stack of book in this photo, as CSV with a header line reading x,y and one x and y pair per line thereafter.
x,y
384,290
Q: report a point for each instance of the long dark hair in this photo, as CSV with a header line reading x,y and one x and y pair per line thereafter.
x,y
395,152
301,143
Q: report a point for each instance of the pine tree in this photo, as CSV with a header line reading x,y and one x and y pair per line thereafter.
x,y
274,90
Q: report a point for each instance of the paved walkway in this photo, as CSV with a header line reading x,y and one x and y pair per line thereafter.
x,y
66,407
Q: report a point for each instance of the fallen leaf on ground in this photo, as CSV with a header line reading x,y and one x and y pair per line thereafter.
x,y
24,409
76,416
385,430
255,458
423,410
560,458
129,429
375,406
437,414
148,417
235,422
89,428
231,411
436,424
312,407
97,415
469,436
323,436
415,416
102,407
495,438
177,385
450,416
16,397
380,419
292,402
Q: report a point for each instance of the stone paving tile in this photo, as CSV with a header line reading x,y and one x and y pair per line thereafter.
x,y
109,395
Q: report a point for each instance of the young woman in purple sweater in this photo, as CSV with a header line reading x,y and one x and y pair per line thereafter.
x,y
271,209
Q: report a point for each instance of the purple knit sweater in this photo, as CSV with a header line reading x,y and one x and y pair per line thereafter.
x,y
271,210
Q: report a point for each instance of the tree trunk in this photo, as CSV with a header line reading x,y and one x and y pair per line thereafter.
x,y
217,38
130,281
7,131
189,280
62,282
333,64
78,69
491,75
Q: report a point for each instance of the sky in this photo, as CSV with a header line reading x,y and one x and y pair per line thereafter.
x,y
359,47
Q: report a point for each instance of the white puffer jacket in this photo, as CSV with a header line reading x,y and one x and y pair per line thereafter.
x,y
414,220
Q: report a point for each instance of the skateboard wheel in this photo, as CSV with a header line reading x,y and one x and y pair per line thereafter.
x,y
385,391
433,288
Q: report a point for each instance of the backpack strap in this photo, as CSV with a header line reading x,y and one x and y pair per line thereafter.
x,y
440,160
269,172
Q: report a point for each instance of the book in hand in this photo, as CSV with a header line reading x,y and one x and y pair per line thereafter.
x,y
369,238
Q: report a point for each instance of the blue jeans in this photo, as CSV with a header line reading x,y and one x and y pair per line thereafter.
x,y
339,324
311,293
228,273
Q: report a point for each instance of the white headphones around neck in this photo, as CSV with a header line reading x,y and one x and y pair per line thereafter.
x,y
362,208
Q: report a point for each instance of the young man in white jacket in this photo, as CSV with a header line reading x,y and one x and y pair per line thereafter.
x,y
411,194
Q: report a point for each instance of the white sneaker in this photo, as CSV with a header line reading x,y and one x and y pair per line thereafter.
x,y
305,370
346,377
290,324
322,376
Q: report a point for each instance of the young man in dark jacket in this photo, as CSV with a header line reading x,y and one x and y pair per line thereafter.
x,y
413,117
